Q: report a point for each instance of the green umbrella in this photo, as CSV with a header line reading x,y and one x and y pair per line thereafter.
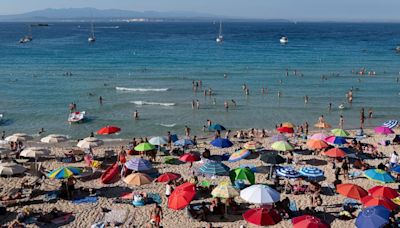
x,y
144,147
242,174
340,132
282,146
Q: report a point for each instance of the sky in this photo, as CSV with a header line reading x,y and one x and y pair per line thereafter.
x,y
341,10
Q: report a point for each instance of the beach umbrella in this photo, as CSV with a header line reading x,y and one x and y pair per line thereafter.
x,y
351,191
89,142
335,140
54,139
395,169
34,152
288,124
189,157
251,145
340,132
18,137
213,168
316,144
308,221
137,179
262,216
322,125
272,158
216,127
278,137
311,172
260,194
369,201
287,172
390,123
383,191
379,175
168,176
319,136
383,130
144,147
64,172
158,141
373,217
239,155
184,142
221,143
8,169
224,190
108,130
138,164
285,130
4,150
182,196
282,146
335,153
242,174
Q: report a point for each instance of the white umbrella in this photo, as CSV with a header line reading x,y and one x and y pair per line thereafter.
x,y
158,141
17,137
8,169
34,152
54,139
90,142
260,194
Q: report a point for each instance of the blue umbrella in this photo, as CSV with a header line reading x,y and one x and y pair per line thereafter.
x,y
138,164
311,172
396,169
214,168
373,217
216,127
183,142
379,175
391,123
287,171
222,143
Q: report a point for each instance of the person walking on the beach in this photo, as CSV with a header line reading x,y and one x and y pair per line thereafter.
x,y
100,100
187,131
197,104
306,127
156,215
394,159
341,122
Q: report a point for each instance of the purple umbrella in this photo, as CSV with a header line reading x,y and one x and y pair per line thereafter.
x,y
383,130
138,164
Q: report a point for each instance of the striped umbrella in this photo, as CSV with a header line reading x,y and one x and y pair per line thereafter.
x,y
251,145
287,172
239,155
390,123
138,164
214,168
311,172
64,172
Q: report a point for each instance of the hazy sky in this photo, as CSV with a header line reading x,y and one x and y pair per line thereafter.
x,y
366,10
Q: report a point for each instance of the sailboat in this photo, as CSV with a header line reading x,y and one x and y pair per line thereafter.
x,y
220,37
27,38
92,37
283,40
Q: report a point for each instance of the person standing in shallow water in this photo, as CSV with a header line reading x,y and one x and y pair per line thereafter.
x,y
136,115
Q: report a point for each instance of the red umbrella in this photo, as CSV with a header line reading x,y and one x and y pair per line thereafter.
x,y
262,216
351,191
189,157
383,191
335,153
369,201
182,196
168,177
108,130
308,221
285,129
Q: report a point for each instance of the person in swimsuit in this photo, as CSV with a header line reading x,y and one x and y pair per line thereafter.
x,y
156,215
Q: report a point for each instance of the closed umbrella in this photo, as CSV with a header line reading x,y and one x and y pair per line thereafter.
x,y
221,143
383,191
108,130
260,194
214,168
335,153
144,147
369,201
224,190
373,217
138,164
379,175
9,169
242,174
239,155
282,146
158,141
340,132
317,144
262,216
287,172
18,137
90,142
182,196
383,130
137,179
308,221
168,176
351,191
34,152
54,139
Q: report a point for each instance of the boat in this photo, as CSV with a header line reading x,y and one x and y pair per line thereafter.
x,y
1,118
284,40
110,173
397,49
27,38
220,37
92,37
76,117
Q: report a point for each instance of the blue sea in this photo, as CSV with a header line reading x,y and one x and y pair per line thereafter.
x,y
157,62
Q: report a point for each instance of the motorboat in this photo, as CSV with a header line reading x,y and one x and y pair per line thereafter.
x,y
76,117
220,37
92,37
27,38
284,40
397,49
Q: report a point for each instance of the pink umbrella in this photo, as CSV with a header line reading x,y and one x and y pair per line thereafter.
x,y
383,130
319,136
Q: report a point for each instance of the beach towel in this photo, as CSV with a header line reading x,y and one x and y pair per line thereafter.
x,y
89,199
154,198
293,206
116,216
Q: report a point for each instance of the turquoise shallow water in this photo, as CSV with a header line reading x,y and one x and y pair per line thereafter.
x,y
36,94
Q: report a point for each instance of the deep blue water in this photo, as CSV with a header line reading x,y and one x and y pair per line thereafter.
x,y
35,93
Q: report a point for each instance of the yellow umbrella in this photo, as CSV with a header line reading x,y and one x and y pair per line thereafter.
x,y
137,179
224,190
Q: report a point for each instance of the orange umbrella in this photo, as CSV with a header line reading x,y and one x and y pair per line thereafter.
x,y
335,153
182,196
316,144
351,191
322,125
137,179
369,201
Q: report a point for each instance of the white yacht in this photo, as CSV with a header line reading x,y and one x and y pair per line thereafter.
x,y
284,40
220,37
92,37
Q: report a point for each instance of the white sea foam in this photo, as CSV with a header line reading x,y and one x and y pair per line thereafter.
x,y
142,89
151,103
168,125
